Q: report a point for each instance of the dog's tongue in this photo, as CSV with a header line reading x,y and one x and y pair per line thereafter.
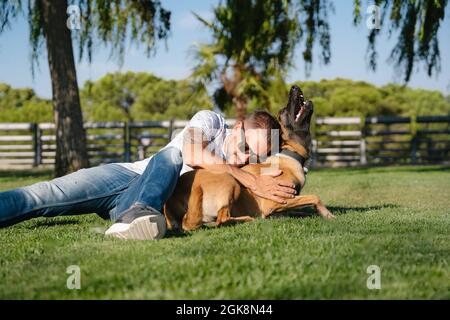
x,y
302,108
299,114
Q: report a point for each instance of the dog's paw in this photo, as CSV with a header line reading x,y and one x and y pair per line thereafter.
x,y
330,216
326,214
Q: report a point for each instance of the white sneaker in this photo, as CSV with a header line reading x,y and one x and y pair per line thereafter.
x,y
139,223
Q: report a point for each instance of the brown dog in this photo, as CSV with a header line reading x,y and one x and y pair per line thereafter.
x,y
204,197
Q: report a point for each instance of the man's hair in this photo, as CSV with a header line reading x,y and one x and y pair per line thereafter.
x,y
261,119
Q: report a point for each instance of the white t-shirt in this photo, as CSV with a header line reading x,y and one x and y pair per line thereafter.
x,y
214,128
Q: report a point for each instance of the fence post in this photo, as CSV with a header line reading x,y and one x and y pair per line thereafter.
x,y
171,124
362,143
37,144
126,142
413,128
314,143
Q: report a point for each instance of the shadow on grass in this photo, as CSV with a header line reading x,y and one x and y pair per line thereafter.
x,y
344,210
302,213
428,169
53,223
67,222
387,168
336,210
176,234
36,173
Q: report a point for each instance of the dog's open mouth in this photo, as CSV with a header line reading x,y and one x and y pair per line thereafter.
x,y
302,108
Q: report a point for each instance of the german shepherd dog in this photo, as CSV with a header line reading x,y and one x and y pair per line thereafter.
x,y
204,197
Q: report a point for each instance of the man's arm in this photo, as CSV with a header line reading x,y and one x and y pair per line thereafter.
x,y
196,155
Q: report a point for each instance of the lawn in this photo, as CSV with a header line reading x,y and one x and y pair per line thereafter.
x,y
397,218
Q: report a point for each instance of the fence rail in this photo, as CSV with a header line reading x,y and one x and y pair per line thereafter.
x,y
345,141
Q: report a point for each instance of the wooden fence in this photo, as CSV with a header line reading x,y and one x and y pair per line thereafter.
x,y
349,141
381,141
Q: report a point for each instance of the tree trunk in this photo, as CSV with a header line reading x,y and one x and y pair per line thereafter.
x,y
71,153
240,105
230,85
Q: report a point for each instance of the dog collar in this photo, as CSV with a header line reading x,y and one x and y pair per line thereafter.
x,y
293,155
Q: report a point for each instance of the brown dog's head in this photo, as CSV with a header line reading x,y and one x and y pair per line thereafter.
x,y
295,120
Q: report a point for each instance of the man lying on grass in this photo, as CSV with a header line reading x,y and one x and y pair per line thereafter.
x,y
133,194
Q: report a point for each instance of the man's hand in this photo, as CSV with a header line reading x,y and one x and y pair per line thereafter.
x,y
266,186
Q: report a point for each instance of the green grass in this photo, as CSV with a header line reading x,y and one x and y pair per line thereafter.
x,y
396,218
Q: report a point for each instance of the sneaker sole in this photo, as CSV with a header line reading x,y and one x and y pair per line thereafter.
x,y
150,227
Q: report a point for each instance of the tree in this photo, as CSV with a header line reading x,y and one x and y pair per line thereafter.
x,y
253,43
22,105
418,23
139,96
114,95
109,22
342,97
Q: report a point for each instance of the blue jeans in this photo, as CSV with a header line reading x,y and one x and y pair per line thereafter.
x,y
107,190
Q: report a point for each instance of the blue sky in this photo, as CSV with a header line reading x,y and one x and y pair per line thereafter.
x,y
348,53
